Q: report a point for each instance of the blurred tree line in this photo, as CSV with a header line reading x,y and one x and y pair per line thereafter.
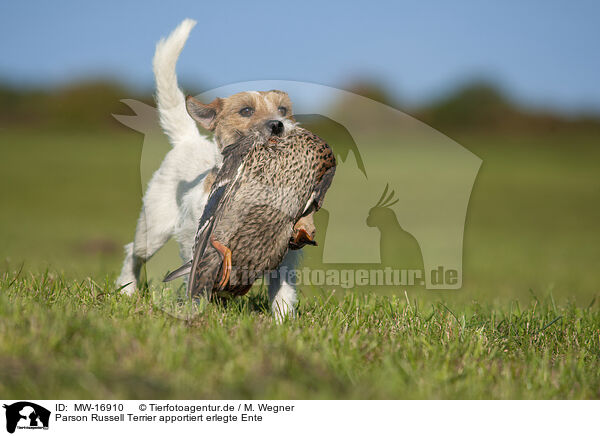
x,y
84,105
479,106
476,106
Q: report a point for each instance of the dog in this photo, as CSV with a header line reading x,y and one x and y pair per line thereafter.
x,y
177,192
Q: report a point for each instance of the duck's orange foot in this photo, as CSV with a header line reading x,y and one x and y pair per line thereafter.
x,y
226,266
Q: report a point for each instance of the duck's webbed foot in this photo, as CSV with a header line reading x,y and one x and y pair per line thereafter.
x,y
226,266
304,233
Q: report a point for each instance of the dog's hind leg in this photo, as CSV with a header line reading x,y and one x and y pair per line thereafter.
x,y
282,290
155,227
148,240
130,272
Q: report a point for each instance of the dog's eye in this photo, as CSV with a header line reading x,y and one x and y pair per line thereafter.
x,y
246,112
282,111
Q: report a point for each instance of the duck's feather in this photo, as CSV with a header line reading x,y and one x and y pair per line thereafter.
x,y
179,272
318,195
233,156
218,200
260,191
322,188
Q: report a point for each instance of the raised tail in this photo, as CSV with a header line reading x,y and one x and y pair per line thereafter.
x,y
170,101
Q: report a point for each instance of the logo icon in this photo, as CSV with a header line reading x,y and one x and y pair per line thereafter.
x,y
426,178
26,415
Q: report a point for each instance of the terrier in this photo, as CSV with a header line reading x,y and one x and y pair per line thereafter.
x,y
177,192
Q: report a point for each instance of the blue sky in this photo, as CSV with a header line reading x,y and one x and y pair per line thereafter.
x,y
543,53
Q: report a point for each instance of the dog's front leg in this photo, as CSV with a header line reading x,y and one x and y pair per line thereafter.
x,y
282,287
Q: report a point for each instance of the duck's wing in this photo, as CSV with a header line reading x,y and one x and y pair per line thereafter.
x,y
203,233
221,194
233,164
233,157
324,178
322,187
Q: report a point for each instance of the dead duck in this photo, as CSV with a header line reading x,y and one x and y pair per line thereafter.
x,y
260,205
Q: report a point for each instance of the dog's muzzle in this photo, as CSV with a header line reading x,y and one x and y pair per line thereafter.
x,y
275,127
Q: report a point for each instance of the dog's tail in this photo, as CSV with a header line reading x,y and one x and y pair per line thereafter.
x,y
170,101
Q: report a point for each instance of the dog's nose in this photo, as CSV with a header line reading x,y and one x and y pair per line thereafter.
x,y
275,127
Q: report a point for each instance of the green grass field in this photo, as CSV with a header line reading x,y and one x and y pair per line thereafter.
x,y
525,325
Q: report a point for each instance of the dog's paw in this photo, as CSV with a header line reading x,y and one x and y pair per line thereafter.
x,y
283,312
127,288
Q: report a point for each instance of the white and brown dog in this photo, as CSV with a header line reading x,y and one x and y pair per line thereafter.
x,y
178,191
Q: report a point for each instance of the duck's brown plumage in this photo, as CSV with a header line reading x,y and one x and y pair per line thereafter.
x,y
259,193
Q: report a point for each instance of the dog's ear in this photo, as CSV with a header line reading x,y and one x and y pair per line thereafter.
x,y
204,114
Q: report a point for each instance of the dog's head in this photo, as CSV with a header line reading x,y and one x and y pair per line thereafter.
x,y
262,113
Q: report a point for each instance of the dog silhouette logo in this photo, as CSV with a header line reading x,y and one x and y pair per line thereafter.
x,y
26,415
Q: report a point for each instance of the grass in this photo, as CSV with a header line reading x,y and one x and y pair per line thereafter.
x,y
525,325
84,340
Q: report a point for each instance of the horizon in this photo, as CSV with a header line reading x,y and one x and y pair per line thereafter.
x,y
545,60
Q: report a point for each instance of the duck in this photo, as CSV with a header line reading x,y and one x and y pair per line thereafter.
x,y
260,205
